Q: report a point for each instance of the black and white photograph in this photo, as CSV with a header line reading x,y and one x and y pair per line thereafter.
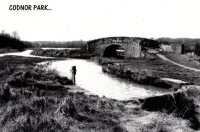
x,y
99,66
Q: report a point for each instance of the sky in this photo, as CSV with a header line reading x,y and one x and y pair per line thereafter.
x,y
70,20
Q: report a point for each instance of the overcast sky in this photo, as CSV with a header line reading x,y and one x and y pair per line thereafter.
x,y
90,19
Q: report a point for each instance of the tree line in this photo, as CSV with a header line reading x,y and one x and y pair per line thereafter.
x,y
12,41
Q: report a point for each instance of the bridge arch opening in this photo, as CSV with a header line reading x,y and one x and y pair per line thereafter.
x,y
114,51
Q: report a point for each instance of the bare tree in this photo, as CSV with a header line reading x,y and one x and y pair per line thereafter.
x,y
3,32
15,34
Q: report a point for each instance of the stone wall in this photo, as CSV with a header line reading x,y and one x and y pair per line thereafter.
x,y
133,51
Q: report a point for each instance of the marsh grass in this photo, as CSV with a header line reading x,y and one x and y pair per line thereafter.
x,y
77,112
161,122
33,114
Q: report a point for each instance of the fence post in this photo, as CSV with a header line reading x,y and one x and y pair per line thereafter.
x,y
73,71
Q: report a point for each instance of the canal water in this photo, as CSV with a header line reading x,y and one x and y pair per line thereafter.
x,y
91,77
26,53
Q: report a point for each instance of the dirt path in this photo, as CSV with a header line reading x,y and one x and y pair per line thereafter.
x,y
183,66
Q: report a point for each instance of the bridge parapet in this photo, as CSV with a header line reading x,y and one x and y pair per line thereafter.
x,y
114,40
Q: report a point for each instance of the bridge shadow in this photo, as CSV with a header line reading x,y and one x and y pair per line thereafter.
x,y
114,51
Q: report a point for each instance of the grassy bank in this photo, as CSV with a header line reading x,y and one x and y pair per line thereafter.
x,y
185,59
37,100
148,70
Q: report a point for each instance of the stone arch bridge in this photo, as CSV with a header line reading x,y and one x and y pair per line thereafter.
x,y
132,46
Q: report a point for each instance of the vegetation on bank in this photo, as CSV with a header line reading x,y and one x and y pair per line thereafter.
x,y
67,53
53,44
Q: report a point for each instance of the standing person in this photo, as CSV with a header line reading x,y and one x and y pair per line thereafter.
x,y
6,90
